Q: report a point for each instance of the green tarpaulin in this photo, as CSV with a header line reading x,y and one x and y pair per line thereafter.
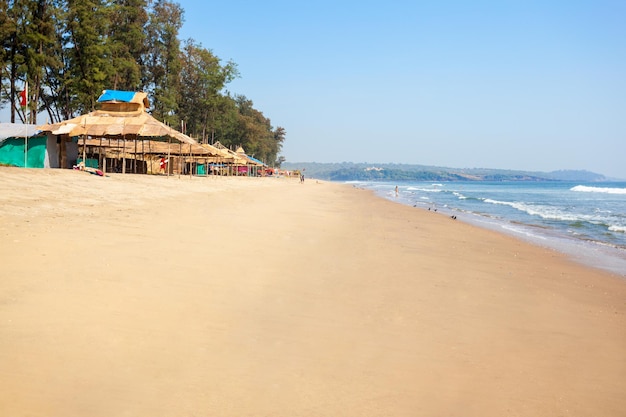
x,y
12,152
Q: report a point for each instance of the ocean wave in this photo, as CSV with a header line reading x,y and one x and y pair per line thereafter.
x,y
606,190
523,231
459,195
425,190
557,214
616,228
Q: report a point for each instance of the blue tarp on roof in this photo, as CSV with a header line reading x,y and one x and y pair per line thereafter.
x,y
256,160
115,95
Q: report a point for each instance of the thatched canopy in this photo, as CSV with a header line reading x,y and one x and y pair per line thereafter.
x,y
239,155
121,114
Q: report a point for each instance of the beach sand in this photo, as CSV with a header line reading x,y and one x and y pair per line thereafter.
x,y
151,296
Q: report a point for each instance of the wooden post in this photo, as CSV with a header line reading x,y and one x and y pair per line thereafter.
x,y
151,156
180,158
169,153
100,153
25,142
124,154
143,155
84,150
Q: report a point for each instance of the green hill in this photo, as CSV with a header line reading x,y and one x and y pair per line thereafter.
x,y
350,171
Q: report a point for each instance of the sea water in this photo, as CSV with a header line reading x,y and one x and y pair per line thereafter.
x,y
586,221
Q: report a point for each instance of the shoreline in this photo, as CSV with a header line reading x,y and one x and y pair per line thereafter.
x,y
137,295
590,253
587,252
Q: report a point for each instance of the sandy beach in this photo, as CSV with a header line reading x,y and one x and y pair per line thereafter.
x,y
134,295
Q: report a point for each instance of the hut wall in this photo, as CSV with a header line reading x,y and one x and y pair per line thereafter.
x,y
69,153
53,146
119,107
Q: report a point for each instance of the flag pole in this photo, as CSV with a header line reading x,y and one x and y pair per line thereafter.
x,y
26,125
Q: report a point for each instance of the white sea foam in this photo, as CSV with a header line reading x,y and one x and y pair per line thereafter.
x,y
425,190
607,190
520,230
459,195
551,213
616,228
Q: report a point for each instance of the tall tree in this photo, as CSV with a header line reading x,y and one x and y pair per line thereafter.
x,y
126,41
162,60
202,77
254,132
89,56
15,18
5,32
280,134
54,96
38,38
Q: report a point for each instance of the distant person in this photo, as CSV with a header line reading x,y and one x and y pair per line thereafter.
x,y
301,178
396,190
163,165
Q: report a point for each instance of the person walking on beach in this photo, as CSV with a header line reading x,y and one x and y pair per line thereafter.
x,y
301,178
396,190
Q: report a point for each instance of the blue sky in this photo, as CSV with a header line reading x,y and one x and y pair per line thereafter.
x,y
534,85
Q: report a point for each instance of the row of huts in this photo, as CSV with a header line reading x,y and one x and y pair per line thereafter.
x,y
120,136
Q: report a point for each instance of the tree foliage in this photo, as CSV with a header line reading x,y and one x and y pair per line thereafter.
x,y
204,77
69,51
128,42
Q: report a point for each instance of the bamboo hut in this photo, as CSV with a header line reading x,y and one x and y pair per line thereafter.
x,y
121,136
255,167
242,164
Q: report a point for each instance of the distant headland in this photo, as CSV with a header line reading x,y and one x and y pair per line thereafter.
x,y
351,171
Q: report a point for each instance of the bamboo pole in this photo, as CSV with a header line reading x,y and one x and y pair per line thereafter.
x,y
152,156
124,154
84,150
25,145
143,155
104,170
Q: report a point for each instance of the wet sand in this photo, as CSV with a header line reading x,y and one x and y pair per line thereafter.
x,y
153,296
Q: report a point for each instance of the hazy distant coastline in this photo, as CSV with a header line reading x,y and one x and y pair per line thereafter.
x,y
350,171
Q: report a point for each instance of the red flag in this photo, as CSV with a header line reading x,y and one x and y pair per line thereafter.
x,y
23,95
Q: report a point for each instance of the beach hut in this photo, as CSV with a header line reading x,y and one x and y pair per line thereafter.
x,y
23,145
120,135
253,165
189,159
242,164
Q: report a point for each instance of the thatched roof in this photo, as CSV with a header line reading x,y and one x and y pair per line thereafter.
x,y
239,155
120,115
